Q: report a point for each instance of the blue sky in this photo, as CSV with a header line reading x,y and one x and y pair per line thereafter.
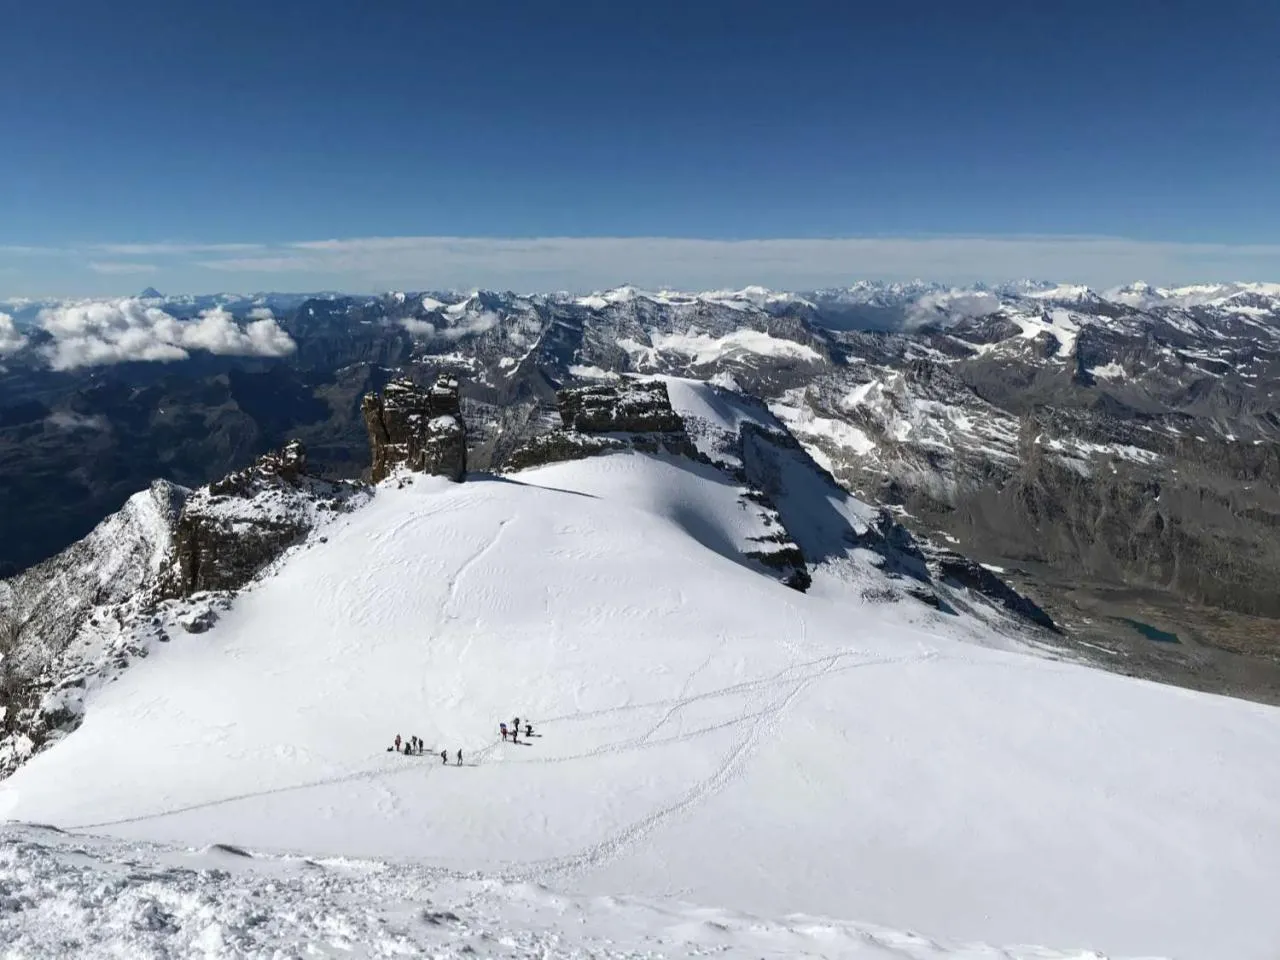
x,y
223,146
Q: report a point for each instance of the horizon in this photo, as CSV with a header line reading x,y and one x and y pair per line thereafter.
x,y
535,265
925,283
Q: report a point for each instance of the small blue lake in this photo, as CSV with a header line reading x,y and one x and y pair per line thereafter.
x,y
1150,632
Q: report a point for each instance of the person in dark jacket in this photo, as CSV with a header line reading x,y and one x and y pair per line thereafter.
x,y
444,757
459,758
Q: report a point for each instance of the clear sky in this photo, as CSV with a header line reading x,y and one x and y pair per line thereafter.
x,y
223,145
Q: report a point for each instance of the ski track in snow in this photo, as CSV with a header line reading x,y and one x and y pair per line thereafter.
x,y
448,610
760,722
756,718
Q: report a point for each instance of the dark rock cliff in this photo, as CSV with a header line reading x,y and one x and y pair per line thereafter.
x,y
231,529
418,427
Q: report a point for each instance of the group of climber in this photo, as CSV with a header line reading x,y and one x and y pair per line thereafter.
x,y
415,745
514,731
412,745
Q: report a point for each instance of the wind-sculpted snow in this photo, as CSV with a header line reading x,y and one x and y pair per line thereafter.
x,y
98,898
701,733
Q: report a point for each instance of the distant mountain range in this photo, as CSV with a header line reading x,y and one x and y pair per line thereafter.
x,y
1114,453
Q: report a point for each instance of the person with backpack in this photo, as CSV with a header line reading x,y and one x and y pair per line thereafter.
x,y
502,728
444,757
459,758
397,743
528,729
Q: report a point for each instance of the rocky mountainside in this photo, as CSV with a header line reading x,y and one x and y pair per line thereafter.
x,y
170,559
1114,454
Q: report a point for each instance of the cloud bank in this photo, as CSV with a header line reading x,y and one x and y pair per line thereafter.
x,y
11,341
592,263
468,324
94,333
583,264
69,420
953,305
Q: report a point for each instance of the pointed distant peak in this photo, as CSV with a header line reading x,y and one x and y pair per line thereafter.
x,y
151,293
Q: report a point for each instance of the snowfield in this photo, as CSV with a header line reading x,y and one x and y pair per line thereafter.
x,y
703,735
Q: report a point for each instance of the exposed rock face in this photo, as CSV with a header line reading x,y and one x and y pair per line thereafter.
x,y
629,407
628,415
418,427
231,529
44,610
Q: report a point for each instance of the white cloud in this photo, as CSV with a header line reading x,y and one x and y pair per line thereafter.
x,y
174,248
261,313
951,305
466,325
99,332
11,340
69,420
120,267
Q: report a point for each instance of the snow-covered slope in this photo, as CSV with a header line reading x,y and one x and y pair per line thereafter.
x,y
701,732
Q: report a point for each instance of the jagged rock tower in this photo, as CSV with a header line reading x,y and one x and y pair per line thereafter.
x,y
420,427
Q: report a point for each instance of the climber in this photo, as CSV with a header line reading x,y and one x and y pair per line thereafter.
x,y
528,729
397,743
502,727
459,758
444,757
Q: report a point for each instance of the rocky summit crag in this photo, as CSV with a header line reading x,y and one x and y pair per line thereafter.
x,y
418,427
230,530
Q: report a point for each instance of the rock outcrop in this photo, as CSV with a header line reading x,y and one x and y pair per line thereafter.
x,y
627,415
627,407
231,529
419,428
